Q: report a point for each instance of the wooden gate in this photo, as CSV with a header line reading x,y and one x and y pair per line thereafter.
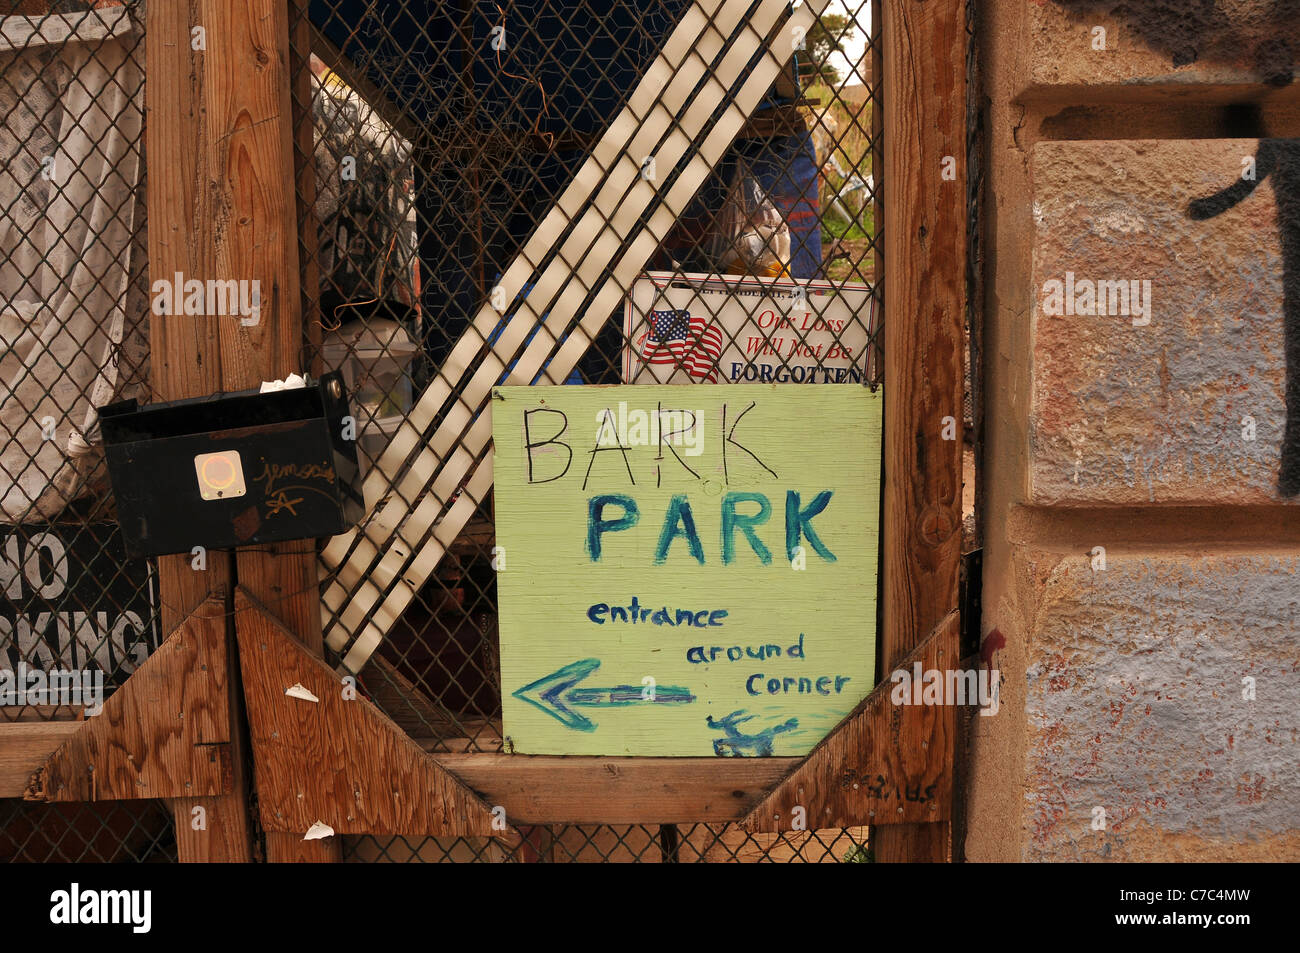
x,y
239,698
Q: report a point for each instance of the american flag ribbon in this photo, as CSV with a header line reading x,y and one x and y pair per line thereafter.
x,y
682,339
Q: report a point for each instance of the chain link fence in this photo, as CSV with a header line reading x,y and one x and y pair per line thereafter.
x,y
73,294
76,617
440,147
455,143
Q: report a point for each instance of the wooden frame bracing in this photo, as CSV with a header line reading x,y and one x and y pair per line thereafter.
x,y
221,199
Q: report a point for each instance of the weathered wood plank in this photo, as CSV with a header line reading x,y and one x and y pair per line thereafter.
x,y
884,764
339,759
286,577
165,733
924,117
250,158
24,747
255,238
185,355
542,789
533,789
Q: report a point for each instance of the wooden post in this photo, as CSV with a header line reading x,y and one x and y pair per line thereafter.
x,y
251,157
924,118
222,205
185,362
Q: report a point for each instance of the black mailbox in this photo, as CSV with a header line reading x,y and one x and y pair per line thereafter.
x,y
233,469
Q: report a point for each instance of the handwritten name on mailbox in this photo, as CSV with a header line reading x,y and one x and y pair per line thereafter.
x,y
684,570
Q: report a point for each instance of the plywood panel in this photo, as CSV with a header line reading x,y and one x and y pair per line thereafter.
x,y
338,760
165,733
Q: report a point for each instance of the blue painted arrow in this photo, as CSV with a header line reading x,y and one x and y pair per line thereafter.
x,y
554,694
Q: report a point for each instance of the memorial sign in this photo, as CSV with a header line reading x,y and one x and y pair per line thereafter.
x,y
687,329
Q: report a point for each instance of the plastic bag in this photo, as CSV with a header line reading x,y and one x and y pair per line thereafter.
x,y
752,238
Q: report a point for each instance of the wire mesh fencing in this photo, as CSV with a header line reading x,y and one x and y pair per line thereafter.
x,y
605,843
73,289
443,149
102,832
665,175
76,616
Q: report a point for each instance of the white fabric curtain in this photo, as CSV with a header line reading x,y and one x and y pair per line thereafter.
x,y
71,332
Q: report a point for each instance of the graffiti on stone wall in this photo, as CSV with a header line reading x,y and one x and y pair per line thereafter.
x,y
1279,161
1256,35
1262,37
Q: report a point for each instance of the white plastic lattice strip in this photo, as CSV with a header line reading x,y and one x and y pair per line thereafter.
x,y
379,575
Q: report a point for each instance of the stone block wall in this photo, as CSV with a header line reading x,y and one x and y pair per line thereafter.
x,y
1141,465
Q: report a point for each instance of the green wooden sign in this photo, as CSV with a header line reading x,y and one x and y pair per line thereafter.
x,y
685,570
